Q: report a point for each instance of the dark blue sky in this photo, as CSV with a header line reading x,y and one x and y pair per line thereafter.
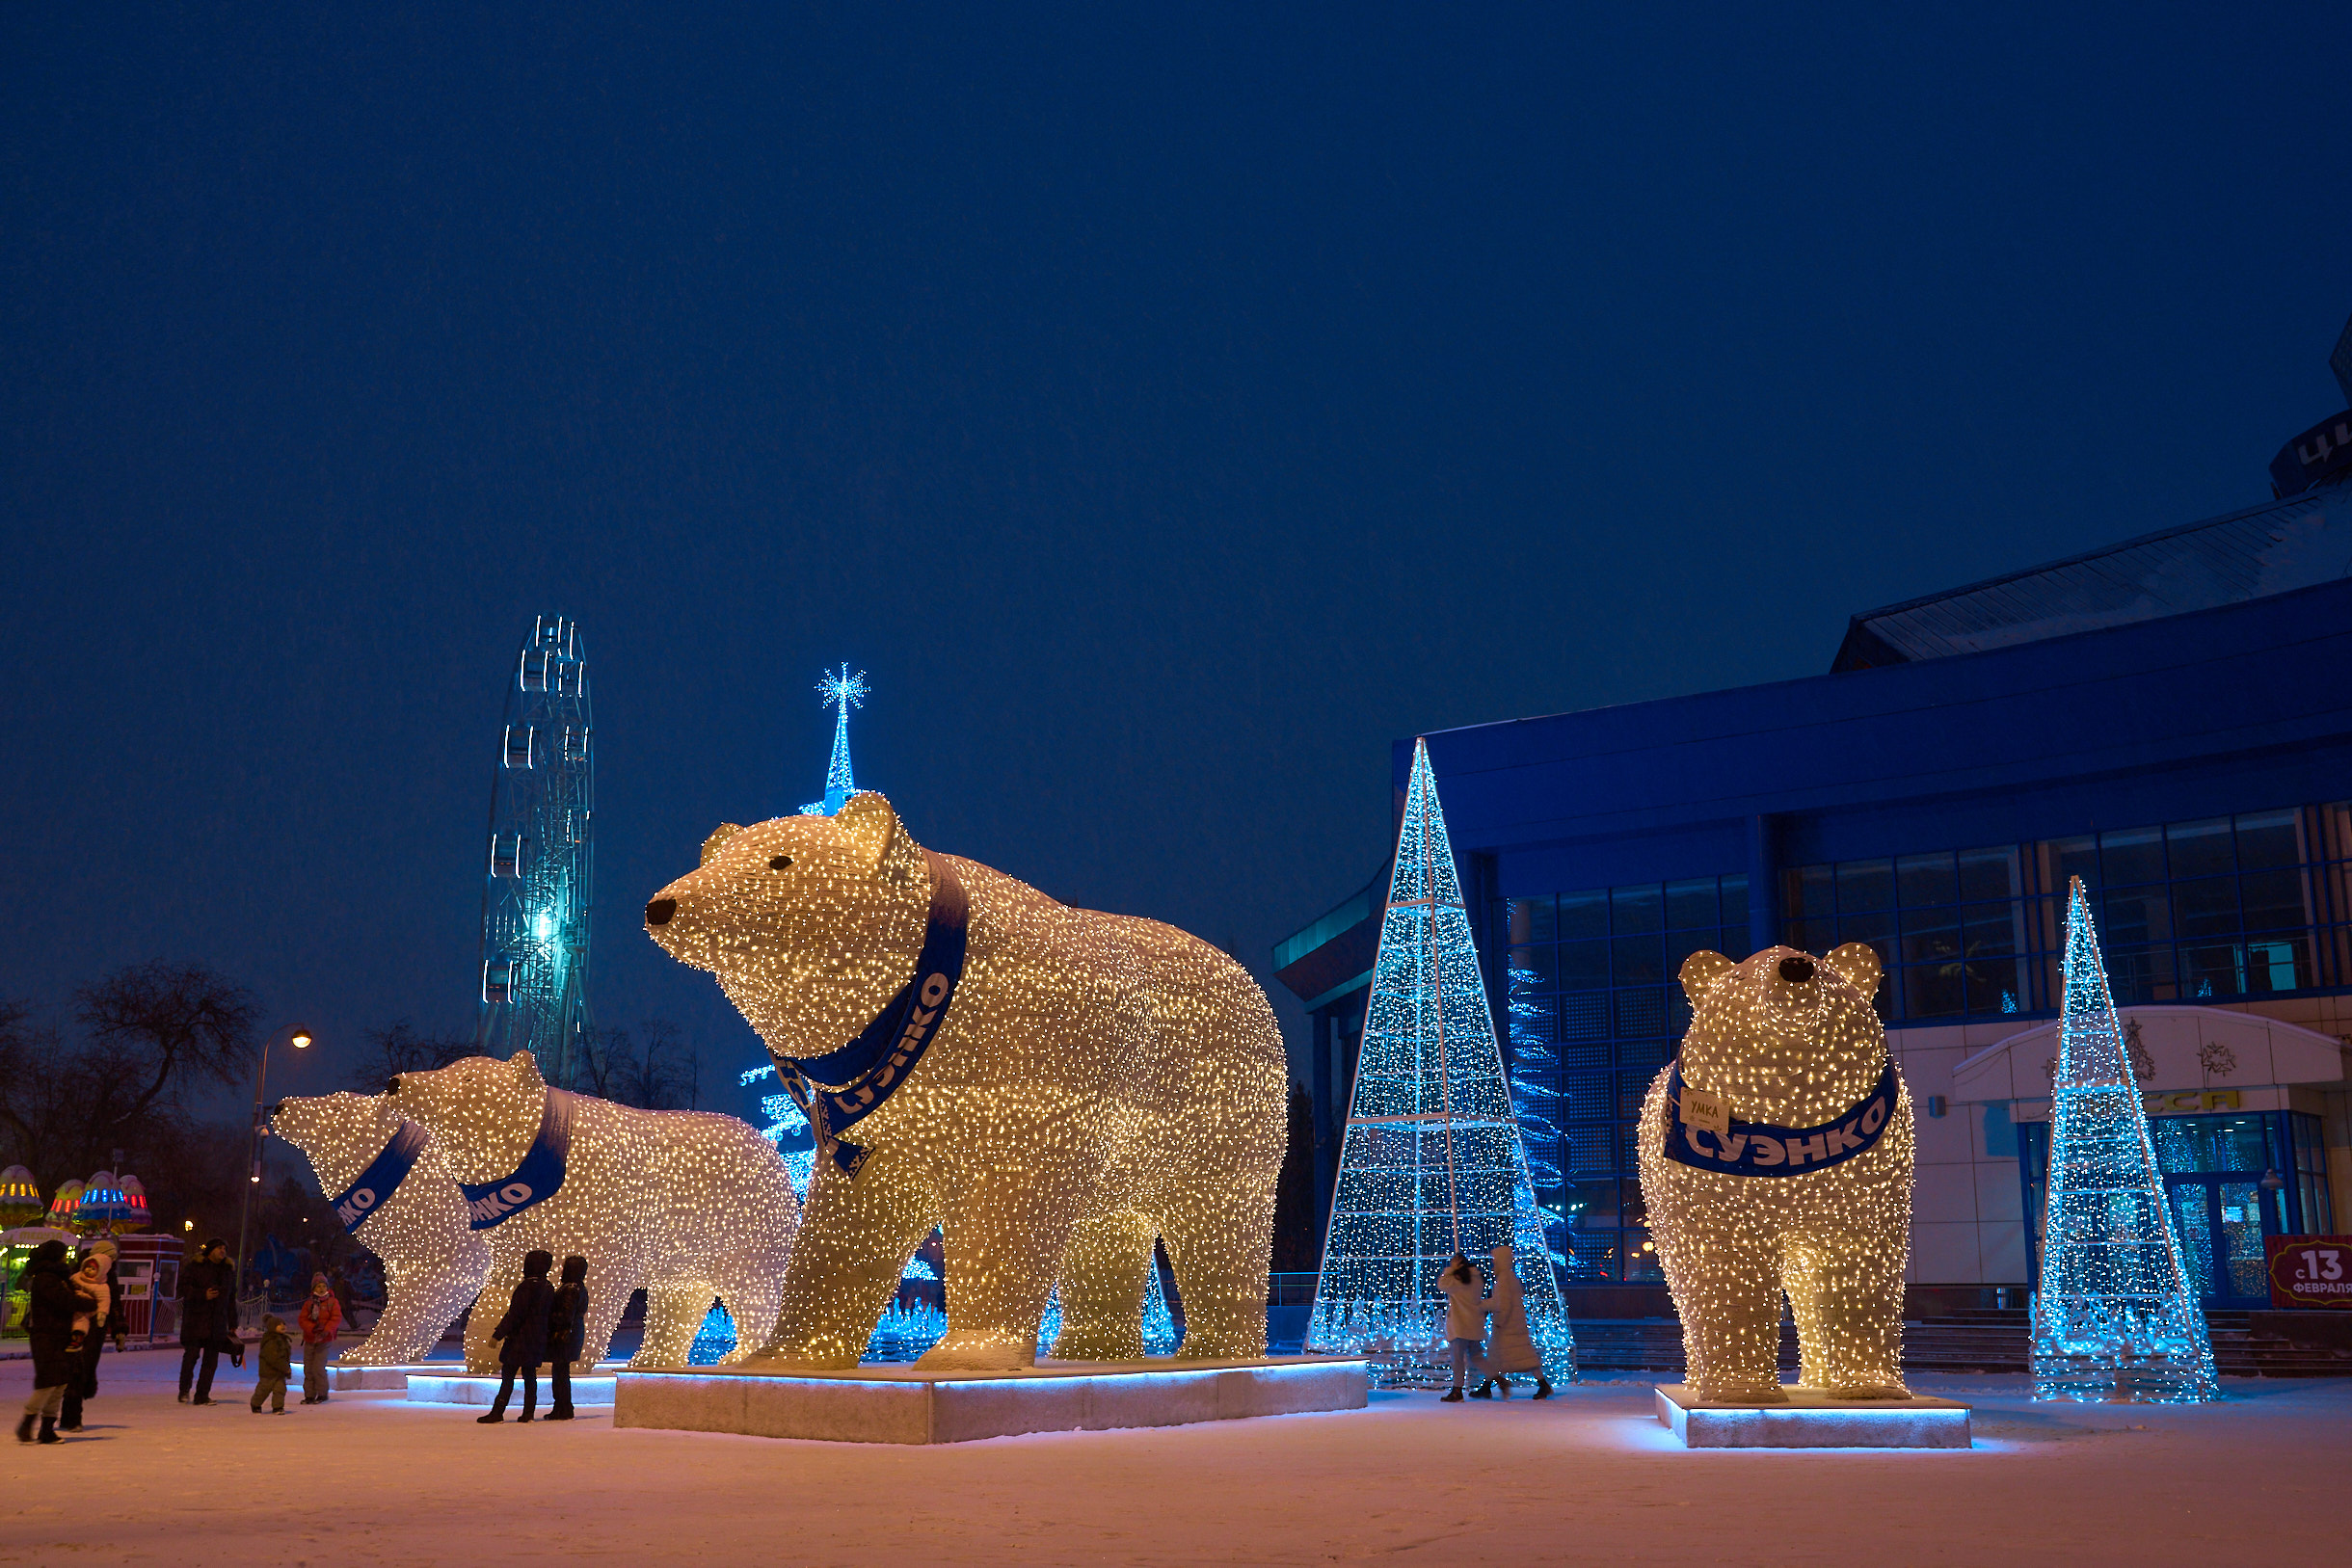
x,y
1168,411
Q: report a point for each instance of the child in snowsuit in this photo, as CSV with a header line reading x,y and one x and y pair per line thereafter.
x,y
276,1366
522,1335
321,1318
568,1331
90,1291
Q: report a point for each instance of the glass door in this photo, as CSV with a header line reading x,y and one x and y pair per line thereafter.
x,y
2222,1220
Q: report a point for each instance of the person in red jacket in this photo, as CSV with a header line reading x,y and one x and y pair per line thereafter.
x,y
321,1318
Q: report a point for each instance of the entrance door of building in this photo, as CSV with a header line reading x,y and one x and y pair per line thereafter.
x,y
2222,1220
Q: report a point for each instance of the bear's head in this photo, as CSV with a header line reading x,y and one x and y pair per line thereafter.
x,y
810,923
340,1132
482,1113
1787,1038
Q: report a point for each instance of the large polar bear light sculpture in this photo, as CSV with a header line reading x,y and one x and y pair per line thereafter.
x,y
1054,1087
1776,1154
684,1204
394,1194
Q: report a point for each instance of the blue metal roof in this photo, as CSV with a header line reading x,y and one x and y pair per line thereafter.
x,y
2273,548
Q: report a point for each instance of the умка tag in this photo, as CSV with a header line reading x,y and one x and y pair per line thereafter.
x,y
1711,1112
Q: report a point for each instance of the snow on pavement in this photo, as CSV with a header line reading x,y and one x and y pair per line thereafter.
x,y
1587,1478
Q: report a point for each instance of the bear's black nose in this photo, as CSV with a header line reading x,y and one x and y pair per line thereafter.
x,y
1797,971
659,911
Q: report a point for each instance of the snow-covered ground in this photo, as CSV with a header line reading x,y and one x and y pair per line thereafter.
x,y
1588,1478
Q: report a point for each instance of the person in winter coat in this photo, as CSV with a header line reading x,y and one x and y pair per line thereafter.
x,y
207,1317
567,1333
522,1335
1511,1349
321,1318
88,1284
84,1383
276,1367
1465,1318
48,1323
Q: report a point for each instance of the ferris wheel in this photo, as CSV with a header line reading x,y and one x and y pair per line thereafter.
x,y
542,858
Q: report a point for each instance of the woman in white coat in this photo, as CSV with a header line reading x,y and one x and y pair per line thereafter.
x,y
1513,1349
1465,1318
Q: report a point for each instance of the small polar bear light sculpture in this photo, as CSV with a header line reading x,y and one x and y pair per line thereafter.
x,y
684,1204
1053,1086
1776,1154
395,1196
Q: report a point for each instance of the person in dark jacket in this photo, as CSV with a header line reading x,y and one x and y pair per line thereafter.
x,y
522,1335
85,1381
207,1317
568,1331
48,1323
277,1364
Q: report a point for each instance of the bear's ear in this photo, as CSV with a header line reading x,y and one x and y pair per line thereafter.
x,y
525,1070
1701,972
1856,963
878,838
719,836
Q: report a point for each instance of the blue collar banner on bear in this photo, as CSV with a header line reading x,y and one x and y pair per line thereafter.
x,y
533,1182
1761,1149
869,1069
382,1179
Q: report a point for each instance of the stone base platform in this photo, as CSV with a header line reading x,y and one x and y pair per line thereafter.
x,y
472,1389
900,1404
396,1379
1813,1419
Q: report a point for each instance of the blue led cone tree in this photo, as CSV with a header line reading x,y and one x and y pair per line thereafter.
x,y
1431,1162
842,693
2117,1316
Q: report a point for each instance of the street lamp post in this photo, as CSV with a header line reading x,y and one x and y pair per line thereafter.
x,y
300,1039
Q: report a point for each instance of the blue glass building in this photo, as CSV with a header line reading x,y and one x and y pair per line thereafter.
x,y
2169,719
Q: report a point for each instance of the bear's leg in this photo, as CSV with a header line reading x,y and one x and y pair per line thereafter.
x,y
1006,1228
1728,1290
750,1287
610,1284
674,1311
489,1306
855,1239
420,1301
1101,1288
1847,1292
1219,1236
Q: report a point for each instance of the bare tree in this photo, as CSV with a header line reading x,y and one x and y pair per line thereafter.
x,y
661,1074
170,1022
400,1048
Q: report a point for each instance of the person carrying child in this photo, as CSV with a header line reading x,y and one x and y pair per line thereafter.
x,y
277,1364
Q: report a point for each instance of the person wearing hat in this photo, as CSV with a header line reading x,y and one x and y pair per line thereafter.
x,y
321,1318
568,1331
277,1364
207,1318
48,1323
84,1384
522,1335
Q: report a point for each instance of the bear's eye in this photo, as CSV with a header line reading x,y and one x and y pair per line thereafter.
x,y
779,862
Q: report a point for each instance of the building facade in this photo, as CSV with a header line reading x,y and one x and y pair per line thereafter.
x,y
2167,720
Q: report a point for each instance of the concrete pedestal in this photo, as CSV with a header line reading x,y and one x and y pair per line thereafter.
x,y
472,1389
1813,1419
381,1379
900,1404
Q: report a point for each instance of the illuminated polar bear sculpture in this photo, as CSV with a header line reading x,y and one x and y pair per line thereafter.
x,y
684,1204
1054,1087
1776,1155
393,1193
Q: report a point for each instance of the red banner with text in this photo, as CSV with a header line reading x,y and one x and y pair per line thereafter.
x,y
2310,1271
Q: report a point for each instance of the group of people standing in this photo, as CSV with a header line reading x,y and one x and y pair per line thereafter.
x,y
1511,1350
208,1330
543,1322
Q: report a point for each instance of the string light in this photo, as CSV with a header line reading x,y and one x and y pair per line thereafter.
x,y
433,1263
1096,1081
1433,1162
2116,1317
1801,1186
19,1198
686,1205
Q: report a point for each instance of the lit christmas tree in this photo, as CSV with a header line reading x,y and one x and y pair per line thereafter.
x,y
1432,1163
841,691
2116,1317
1533,1068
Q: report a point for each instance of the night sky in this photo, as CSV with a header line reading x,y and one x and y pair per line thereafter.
x,y
1166,410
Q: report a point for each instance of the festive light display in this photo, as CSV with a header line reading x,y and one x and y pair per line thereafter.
x,y
541,865
1080,1085
716,1341
396,1198
64,1204
1432,1163
684,1204
841,691
1541,1231
110,1205
1776,1157
19,1198
2115,1317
